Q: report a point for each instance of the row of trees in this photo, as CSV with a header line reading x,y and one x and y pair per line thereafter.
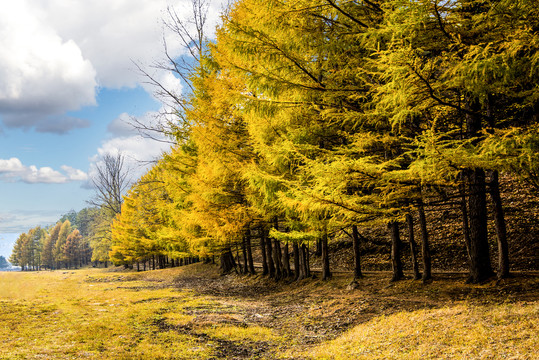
x,y
310,118
314,116
78,237
60,246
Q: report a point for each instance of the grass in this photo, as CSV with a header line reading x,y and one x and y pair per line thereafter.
x,y
192,313
505,331
89,314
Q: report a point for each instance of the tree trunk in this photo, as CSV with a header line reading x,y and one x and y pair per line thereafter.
x,y
501,230
357,252
480,267
269,252
227,261
326,273
286,261
277,259
465,225
238,259
425,247
244,251
413,246
249,252
305,256
302,264
265,269
296,261
318,251
396,263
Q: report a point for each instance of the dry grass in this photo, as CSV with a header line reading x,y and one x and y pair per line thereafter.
x,y
459,332
192,313
90,314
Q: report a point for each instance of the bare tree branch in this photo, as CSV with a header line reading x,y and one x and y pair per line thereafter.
x,y
110,182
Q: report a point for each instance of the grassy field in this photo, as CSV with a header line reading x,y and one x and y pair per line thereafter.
x,y
193,313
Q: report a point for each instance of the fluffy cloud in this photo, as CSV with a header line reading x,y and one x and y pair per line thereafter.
x,y
115,33
122,126
13,170
56,53
139,151
41,74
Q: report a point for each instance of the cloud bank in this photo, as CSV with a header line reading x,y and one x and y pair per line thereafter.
x,y
13,170
56,54
19,221
41,73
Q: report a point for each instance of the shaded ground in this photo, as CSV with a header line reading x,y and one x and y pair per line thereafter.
x,y
521,208
312,311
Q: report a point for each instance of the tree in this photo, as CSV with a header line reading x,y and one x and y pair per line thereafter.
x,y
59,254
4,263
110,182
49,245
72,249
452,69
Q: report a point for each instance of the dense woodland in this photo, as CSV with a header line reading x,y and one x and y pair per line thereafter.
x,y
313,118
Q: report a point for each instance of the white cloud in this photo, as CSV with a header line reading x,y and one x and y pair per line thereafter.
x,y
41,73
113,34
122,126
74,174
139,151
12,170
55,53
18,221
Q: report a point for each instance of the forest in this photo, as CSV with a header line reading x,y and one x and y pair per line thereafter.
x,y
311,121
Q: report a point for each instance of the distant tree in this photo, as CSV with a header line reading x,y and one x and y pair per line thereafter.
x,y
110,182
72,249
84,219
34,247
3,263
49,244
19,254
59,255
100,235
71,215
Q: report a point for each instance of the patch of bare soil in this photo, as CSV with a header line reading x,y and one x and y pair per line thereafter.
x,y
311,311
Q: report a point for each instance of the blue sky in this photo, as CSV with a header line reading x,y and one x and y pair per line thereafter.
x,y
68,87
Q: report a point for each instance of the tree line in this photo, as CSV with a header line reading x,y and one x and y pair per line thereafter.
x,y
60,246
309,117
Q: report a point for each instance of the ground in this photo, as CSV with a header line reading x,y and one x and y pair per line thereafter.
x,y
194,313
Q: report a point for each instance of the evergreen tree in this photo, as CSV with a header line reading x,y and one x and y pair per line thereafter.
x,y
4,263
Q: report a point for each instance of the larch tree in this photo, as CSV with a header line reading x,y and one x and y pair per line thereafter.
x,y
452,68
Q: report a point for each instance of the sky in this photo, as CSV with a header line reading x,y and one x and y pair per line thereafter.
x,y
69,88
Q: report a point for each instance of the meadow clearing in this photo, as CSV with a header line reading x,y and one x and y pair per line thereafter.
x,y
193,313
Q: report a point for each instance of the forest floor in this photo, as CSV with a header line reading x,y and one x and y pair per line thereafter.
x,y
194,313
